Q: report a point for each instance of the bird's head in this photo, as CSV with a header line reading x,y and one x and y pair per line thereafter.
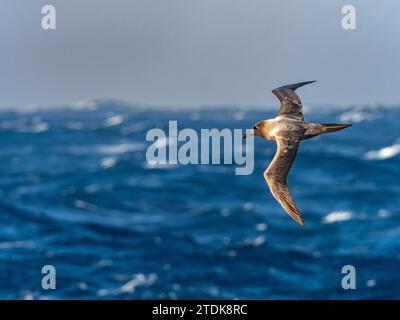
x,y
257,129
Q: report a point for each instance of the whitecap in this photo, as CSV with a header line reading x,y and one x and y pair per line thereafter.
x,y
92,188
138,280
247,206
383,213
108,162
261,227
16,244
82,285
39,127
119,148
90,105
28,296
36,125
102,292
84,205
355,115
371,283
152,164
113,121
336,216
384,153
258,241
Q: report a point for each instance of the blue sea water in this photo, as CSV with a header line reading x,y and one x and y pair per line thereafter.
x,y
77,193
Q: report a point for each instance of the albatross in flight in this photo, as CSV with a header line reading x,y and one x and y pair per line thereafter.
x,y
287,129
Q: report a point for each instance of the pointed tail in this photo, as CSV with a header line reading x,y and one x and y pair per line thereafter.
x,y
332,127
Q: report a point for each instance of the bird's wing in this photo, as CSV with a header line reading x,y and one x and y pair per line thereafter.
x,y
290,101
276,173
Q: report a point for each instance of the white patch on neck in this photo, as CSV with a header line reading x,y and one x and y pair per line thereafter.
x,y
273,133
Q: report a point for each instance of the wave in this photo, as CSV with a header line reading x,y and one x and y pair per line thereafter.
x,y
34,125
108,162
383,153
357,115
113,121
129,287
108,149
82,196
90,105
16,244
337,216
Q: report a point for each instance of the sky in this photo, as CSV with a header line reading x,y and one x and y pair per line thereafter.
x,y
198,52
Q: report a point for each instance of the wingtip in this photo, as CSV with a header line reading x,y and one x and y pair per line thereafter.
x,y
296,217
294,86
306,82
300,221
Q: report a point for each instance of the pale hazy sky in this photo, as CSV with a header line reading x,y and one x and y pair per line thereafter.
x,y
198,52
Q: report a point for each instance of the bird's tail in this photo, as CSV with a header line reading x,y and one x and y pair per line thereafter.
x,y
332,127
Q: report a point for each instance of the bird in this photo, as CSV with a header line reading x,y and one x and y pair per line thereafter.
x,y
288,129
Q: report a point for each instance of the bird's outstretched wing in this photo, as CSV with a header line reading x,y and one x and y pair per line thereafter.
x,y
276,173
290,101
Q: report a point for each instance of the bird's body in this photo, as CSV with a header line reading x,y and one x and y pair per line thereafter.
x,y
282,125
287,129
271,128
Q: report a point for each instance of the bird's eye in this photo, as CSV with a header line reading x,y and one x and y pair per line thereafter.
x,y
255,128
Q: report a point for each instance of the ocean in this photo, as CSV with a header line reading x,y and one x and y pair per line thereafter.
x,y
77,193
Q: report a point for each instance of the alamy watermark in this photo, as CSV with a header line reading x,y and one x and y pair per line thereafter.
x,y
210,146
349,280
49,18
49,280
349,17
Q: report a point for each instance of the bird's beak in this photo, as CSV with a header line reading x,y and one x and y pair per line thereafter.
x,y
248,133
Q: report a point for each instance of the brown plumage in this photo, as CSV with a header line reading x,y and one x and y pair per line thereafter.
x,y
287,129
